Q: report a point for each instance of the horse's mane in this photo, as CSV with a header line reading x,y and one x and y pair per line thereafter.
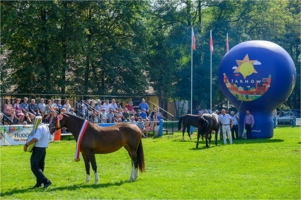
x,y
74,116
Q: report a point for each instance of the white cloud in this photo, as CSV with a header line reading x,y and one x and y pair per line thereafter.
x,y
234,67
257,63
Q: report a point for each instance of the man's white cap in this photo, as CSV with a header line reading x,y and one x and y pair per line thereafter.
x,y
37,122
216,111
232,112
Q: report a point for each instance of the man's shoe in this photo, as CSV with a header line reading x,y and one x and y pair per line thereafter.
x,y
46,185
37,185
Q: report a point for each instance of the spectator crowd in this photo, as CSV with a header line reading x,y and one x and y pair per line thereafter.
x,y
96,112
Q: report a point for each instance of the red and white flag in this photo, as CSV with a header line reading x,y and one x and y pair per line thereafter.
x,y
211,42
192,40
227,44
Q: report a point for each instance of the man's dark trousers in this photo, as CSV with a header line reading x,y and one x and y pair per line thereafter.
x,y
249,131
221,131
37,162
234,129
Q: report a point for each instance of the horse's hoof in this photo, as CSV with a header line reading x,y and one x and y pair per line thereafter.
x,y
87,181
96,182
190,138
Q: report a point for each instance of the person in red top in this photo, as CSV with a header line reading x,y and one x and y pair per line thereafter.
x,y
130,108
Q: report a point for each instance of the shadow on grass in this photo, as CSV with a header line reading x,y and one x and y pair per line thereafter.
x,y
72,187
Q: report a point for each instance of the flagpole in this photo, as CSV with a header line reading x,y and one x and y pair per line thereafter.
x,y
191,74
210,74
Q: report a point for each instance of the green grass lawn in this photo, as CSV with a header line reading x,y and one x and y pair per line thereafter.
x,y
256,169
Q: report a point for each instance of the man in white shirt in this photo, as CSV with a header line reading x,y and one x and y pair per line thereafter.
x,y
114,105
227,123
40,138
220,126
107,106
54,105
235,119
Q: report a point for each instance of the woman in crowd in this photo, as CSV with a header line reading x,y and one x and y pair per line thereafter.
x,y
67,106
50,111
153,118
59,104
146,127
18,109
8,110
118,104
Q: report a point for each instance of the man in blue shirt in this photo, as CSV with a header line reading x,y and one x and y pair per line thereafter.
x,y
143,105
160,116
143,114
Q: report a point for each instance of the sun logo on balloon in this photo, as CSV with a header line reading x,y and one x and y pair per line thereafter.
x,y
245,67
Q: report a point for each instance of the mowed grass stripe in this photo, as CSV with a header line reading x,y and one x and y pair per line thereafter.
x,y
256,169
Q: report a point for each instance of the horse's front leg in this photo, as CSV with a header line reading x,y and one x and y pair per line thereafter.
x,y
210,136
87,165
188,131
206,138
216,135
91,156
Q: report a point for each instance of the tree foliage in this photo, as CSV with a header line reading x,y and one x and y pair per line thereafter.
x,y
123,47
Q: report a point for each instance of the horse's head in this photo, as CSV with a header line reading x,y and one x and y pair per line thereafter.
x,y
57,123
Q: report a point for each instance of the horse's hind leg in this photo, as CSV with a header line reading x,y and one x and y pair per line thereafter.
x,y
184,128
207,138
188,132
133,155
215,136
91,156
87,165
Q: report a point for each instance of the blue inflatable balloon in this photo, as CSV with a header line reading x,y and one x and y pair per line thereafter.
x,y
257,76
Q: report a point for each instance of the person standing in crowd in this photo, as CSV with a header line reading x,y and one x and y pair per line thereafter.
x,y
130,108
18,110
67,106
143,105
228,111
25,109
227,124
34,108
107,106
274,114
248,124
42,108
40,138
110,115
114,105
153,118
235,120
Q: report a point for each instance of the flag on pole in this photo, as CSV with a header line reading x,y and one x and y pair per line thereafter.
x,y
211,42
192,39
227,44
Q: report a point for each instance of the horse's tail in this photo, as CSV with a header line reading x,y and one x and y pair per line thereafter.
x,y
180,124
140,157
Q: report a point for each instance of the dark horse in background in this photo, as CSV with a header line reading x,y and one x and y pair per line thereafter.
x,y
207,123
188,120
103,140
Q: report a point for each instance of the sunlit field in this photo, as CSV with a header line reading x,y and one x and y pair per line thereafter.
x,y
248,169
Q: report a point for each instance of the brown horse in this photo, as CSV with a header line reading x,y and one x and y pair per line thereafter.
x,y
103,140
